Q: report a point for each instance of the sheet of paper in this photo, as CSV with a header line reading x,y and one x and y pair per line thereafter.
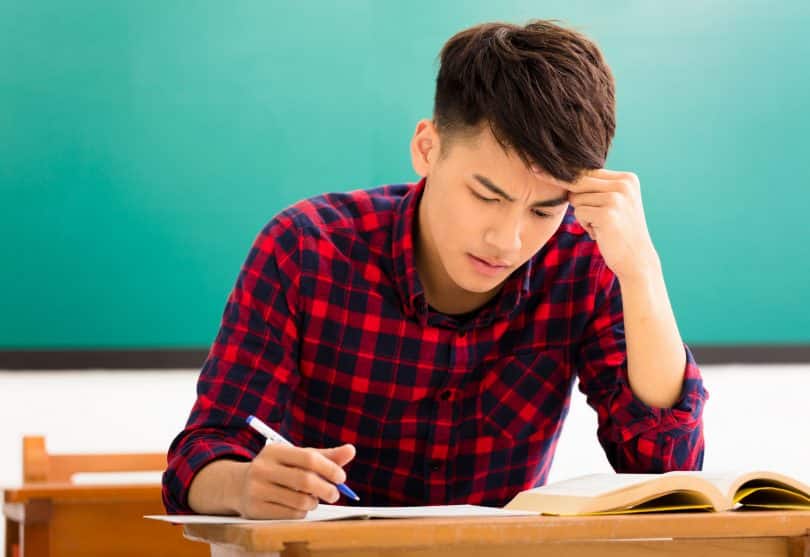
x,y
339,512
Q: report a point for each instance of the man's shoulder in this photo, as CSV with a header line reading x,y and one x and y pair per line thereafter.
x,y
362,210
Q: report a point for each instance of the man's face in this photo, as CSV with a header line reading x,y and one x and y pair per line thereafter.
x,y
485,211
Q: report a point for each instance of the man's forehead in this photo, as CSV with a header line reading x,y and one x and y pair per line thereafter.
x,y
515,158
545,177
489,157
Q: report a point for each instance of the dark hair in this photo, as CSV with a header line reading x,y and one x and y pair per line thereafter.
x,y
545,91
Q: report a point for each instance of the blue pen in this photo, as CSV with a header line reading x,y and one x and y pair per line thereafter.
x,y
274,437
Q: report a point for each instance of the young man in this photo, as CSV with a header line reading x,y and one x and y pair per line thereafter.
x,y
425,337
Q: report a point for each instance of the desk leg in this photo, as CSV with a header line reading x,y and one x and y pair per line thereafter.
x,y
12,538
28,527
34,540
229,551
799,546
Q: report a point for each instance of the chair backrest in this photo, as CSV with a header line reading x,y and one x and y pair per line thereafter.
x,y
39,466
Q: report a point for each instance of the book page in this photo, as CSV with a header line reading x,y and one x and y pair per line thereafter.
x,y
594,485
724,481
736,485
670,502
620,493
767,496
338,512
692,490
597,485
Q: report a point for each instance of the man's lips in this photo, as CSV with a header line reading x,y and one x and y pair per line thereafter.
x,y
492,262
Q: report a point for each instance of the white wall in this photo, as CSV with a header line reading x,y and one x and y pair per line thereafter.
x,y
756,417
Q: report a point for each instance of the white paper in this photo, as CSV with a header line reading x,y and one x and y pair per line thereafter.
x,y
338,512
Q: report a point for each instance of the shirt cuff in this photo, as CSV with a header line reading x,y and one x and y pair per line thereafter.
x,y
185,464
637,418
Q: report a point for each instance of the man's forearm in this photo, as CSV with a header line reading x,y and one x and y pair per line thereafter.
x,y
656,358
215,488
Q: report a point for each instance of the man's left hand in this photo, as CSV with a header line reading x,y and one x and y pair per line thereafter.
x,y
608,205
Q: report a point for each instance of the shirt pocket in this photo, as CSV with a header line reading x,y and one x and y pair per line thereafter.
x,y
524,396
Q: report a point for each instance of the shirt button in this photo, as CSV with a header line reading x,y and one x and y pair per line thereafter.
x,y
446,395
435,465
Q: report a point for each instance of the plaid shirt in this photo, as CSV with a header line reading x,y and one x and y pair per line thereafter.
x,y
327,336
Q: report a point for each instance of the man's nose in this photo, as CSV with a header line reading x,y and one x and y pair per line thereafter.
x,y
504,235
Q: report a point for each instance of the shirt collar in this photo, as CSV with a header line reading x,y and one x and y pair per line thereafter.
x,y
407,282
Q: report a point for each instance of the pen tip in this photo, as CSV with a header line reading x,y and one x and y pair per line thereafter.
x,y
347,491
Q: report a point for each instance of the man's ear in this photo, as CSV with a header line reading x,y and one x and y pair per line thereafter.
x,y
424,147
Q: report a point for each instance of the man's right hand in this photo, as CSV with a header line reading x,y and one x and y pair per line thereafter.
x,y
286,482
281,482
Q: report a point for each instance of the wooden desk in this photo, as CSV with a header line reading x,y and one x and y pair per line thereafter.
x,y
63,519
677,534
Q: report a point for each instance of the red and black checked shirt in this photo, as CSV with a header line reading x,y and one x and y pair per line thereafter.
x,y
327,336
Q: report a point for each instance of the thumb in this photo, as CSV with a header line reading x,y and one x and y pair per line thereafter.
x,y
339,455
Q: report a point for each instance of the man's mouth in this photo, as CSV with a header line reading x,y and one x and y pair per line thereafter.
x,y
487,265
493,262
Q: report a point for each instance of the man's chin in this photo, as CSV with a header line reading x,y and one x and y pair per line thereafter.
x,y
479,285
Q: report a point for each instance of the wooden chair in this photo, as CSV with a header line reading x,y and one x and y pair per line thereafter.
x,y
41,467
50,515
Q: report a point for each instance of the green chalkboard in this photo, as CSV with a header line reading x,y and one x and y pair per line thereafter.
x,y
144,144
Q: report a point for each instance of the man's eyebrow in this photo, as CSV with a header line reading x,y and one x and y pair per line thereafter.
x,y
487,183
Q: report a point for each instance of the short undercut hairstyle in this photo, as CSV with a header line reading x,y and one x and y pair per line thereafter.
x,y
545,91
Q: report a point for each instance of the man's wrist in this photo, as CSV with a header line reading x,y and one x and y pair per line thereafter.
x,y
646,272
217,487
236,485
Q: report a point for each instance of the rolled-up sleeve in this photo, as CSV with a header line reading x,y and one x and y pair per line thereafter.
x,y
250,369
636,437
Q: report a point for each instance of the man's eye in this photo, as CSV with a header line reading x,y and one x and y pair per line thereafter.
x,y
482,198
540,214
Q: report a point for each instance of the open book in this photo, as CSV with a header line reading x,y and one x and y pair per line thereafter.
x,y
672,491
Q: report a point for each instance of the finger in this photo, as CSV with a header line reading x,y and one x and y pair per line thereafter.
x,y
589,217
281,495
594,199
303,480
605,174
588,183
310,459
339,455
264,509
262,489
626,182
